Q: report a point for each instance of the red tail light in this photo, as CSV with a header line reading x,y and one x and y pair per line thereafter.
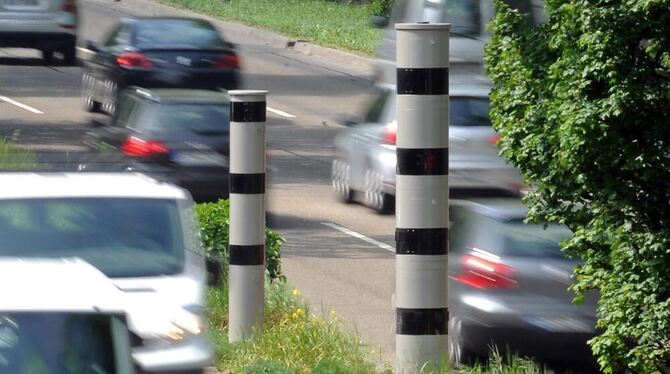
x,y
390,135
130,59
478,271
136,147
494,139
70,21
227,61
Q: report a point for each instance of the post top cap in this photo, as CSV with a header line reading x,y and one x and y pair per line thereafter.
x,y
247,92
423,26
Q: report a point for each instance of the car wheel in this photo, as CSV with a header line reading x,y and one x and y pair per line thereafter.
x,y
375,197
458,355
109,101
48,56
340,176
88,93
70,54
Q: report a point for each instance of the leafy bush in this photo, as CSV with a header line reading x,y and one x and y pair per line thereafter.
x,y
381,7
214,227
582,105
15,159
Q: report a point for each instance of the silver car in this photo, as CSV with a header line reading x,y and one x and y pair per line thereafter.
x,y
47,25
508,287
364,169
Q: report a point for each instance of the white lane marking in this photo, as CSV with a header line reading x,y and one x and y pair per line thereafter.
x,y
85,50
359,236
21,105
279,112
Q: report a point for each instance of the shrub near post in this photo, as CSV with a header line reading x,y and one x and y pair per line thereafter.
x,y
247,213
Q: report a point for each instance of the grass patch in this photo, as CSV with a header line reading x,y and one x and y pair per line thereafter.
x,y
293,340
326,23
15,159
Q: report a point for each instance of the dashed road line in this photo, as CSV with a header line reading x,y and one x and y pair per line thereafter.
x,y
280,112
359,236
20,105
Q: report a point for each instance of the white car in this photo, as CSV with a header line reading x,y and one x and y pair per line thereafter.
x,y
61,316
138,231
47,25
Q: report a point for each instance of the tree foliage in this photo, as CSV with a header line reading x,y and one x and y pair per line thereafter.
x,y
582,103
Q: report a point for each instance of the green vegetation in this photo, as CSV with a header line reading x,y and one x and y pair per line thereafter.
x,y
12,158
292,341
582,105
326,23
214,224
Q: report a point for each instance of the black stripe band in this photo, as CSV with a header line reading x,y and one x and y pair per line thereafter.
x,y
422,161
253,111
247,183
426,81
427,242
422,321
247,254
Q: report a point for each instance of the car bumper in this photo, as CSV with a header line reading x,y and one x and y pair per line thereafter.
x,y
193,355
173,78
39,40
203,183
550,332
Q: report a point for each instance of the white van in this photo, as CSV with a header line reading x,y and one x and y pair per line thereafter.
x,y
135,229
47,25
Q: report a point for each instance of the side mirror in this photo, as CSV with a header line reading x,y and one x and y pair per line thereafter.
x,y
92,46
214,266
379,21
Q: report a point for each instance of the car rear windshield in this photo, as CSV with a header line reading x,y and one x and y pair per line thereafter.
x,y
204,119
530,240
177,34
60,343
469,111
122,237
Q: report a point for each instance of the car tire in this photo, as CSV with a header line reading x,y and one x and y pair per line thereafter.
x,y
88,94
340,176
47,56
375,196
70,54
458,355
110,97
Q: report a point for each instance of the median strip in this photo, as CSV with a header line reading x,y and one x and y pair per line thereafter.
x,y
21,105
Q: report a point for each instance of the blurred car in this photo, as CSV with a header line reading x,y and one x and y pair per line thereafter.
x,y
61,316
47,25
158,52
176,134
366,160
508,287
137,231
468,19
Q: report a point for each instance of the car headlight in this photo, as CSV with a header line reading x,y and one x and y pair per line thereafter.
x,y
185,324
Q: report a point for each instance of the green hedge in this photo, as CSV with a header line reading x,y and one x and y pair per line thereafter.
x,y
214,225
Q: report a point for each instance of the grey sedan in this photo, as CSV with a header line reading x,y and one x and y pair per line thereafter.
x,y
365,167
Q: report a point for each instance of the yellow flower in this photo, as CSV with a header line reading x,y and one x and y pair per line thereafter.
x,y
332,312
300,311
373,352
296,292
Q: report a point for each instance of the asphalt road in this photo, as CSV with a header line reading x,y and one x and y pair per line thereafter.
x,y
339,256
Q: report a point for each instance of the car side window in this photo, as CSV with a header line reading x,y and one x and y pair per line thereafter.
x,y
120,36
127,104
374,112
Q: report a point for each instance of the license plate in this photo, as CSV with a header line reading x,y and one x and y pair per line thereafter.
x,y
200,159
